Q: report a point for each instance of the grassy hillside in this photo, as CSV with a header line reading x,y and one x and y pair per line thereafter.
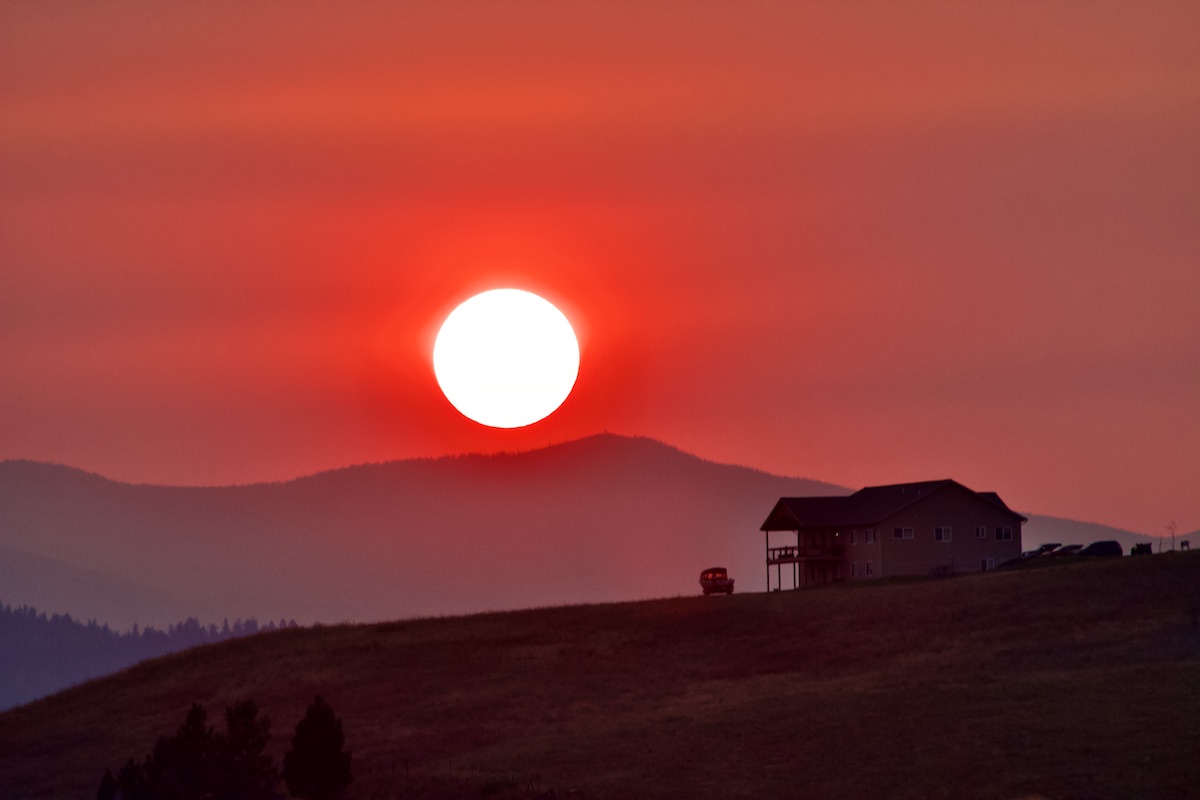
x,y
1074,680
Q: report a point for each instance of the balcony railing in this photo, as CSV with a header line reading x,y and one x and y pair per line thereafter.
x,y
777,555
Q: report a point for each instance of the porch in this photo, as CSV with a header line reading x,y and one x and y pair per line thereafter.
x,y
815,559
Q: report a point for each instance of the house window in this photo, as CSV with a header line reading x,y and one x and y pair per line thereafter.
x,y
869,571
941,534
904,533
987,564
869,536
853,569
981,531
853,535
1004,533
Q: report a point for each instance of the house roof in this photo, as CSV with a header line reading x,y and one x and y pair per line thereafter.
x,y
867,506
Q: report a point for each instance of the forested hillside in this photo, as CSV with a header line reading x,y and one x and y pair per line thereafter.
x,y
41,654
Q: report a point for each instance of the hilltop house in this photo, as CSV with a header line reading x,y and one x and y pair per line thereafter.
x,y
929,528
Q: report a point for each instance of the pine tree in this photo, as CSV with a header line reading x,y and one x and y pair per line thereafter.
x,y
316,767
131,782
246,771
197,763
185,765
108,787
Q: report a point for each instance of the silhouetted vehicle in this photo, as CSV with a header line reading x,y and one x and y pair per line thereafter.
x,y
1041,551
1143,549
716,580
1067,550
1108,547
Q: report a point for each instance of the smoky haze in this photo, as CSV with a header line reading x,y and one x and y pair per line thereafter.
x,y
605,518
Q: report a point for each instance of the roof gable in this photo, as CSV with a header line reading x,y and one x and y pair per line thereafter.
x,y
995,500
791,513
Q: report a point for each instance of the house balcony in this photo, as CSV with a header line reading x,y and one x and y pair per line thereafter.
x,y
803,553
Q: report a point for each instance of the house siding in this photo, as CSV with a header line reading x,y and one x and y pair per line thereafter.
x,y
860,554
961,511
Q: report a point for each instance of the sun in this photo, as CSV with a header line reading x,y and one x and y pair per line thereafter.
x,y
506,358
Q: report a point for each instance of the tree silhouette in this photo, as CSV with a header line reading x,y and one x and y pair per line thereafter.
x,y
197,763
129,783
184,766
108,787
246,772
316,767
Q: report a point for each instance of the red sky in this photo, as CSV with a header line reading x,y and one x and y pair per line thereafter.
x,y
860,242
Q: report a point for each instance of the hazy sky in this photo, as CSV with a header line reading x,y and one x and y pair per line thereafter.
x,y
860,242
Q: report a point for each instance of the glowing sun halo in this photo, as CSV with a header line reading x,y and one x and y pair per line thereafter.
x,y
506,358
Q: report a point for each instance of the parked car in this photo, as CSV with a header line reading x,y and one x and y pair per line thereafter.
x,y
716,580
1107,547
1067,550
1041,551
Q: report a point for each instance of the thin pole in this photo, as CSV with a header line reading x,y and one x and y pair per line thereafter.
x,y
767,537
801,578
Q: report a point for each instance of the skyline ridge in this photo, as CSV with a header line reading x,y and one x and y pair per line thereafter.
x,y
598,519
556,446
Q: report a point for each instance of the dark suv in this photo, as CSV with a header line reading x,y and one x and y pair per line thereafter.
x,y
1108,547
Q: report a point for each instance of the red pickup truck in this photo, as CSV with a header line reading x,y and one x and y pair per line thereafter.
x,y
716,580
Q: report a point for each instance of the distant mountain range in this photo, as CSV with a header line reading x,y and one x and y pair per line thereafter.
x,y
600,519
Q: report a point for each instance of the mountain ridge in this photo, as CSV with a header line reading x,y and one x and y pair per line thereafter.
x,y
331,531
602,518
557,447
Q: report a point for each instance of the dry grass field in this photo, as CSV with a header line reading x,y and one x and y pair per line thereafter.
x,y
1071,680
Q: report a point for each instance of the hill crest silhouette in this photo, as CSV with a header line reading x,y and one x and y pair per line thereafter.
x,y
603,518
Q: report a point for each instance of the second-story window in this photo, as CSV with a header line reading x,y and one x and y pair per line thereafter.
x,y
902,533
941,534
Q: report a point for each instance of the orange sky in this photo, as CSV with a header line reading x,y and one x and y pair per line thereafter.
x,y
860,242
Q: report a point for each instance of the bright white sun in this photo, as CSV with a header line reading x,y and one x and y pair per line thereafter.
x,y
506,358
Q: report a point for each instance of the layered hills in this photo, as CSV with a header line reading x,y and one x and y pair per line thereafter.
x,y
606,518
